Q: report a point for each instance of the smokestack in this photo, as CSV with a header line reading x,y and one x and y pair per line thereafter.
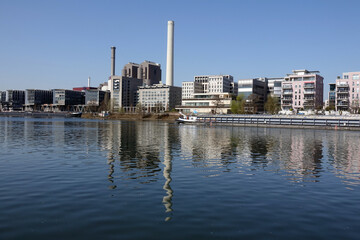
x,y
170,55
88,82
113,61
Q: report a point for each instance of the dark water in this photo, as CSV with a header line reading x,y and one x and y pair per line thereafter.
x,y
78,179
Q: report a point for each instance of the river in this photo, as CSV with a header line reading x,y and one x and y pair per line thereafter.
x,y
91,179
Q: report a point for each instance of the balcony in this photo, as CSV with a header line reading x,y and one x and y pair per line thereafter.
x,y
309,103
287,93
287,104
342,103
309,85
342,85
343,90
309,92
287,87
309,98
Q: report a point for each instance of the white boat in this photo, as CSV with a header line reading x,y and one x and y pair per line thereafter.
x,y
186,119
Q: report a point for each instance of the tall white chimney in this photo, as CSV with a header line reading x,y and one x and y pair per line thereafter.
x,y
170,55
88,82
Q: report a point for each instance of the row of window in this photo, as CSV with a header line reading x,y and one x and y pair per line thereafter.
x,y
354,77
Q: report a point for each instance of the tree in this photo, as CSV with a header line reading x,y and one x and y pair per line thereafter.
x,y
237,106
272,105
251,104
139,108
355,106
217,103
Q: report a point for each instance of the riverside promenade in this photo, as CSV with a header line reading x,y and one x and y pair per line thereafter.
x,y
351,122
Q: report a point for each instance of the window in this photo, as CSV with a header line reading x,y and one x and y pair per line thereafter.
x,y
346,76
355,77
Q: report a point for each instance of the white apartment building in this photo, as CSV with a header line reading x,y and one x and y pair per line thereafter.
x,y
208,93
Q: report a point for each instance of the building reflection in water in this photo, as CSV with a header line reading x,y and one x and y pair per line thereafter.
x,y
140,148
296,153
143,152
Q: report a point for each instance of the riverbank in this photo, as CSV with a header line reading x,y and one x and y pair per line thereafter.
x,y
171,116
283,121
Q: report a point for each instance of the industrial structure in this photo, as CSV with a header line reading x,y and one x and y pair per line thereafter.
x,y
170,55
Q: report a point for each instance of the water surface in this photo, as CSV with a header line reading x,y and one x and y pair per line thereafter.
x,y
86,179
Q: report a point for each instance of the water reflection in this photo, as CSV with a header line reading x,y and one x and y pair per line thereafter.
x,y
145,152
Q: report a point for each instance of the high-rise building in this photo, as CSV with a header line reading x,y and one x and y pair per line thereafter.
x,y
302,90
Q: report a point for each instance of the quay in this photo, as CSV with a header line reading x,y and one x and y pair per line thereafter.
x,y
35,114
291,121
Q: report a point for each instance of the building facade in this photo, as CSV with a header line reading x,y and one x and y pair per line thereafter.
x,y
34,98
347,92
331,103
255,92
149,72
94,97
13,100
302,90
159,97
64,99
215,103
123,91
208,94
274,86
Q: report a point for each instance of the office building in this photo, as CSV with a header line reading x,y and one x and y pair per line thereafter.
x,y
34,98
255,92
159,97
63,99
95,97
13,100
208,94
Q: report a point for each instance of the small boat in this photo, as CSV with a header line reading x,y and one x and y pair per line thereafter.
x,y
186,119
75,114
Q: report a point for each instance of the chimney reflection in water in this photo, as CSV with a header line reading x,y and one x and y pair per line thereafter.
x,y
167,200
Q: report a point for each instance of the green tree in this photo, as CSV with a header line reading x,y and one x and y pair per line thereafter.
x,y
237,106
272,105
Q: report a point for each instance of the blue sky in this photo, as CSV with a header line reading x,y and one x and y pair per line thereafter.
x,y
58,44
